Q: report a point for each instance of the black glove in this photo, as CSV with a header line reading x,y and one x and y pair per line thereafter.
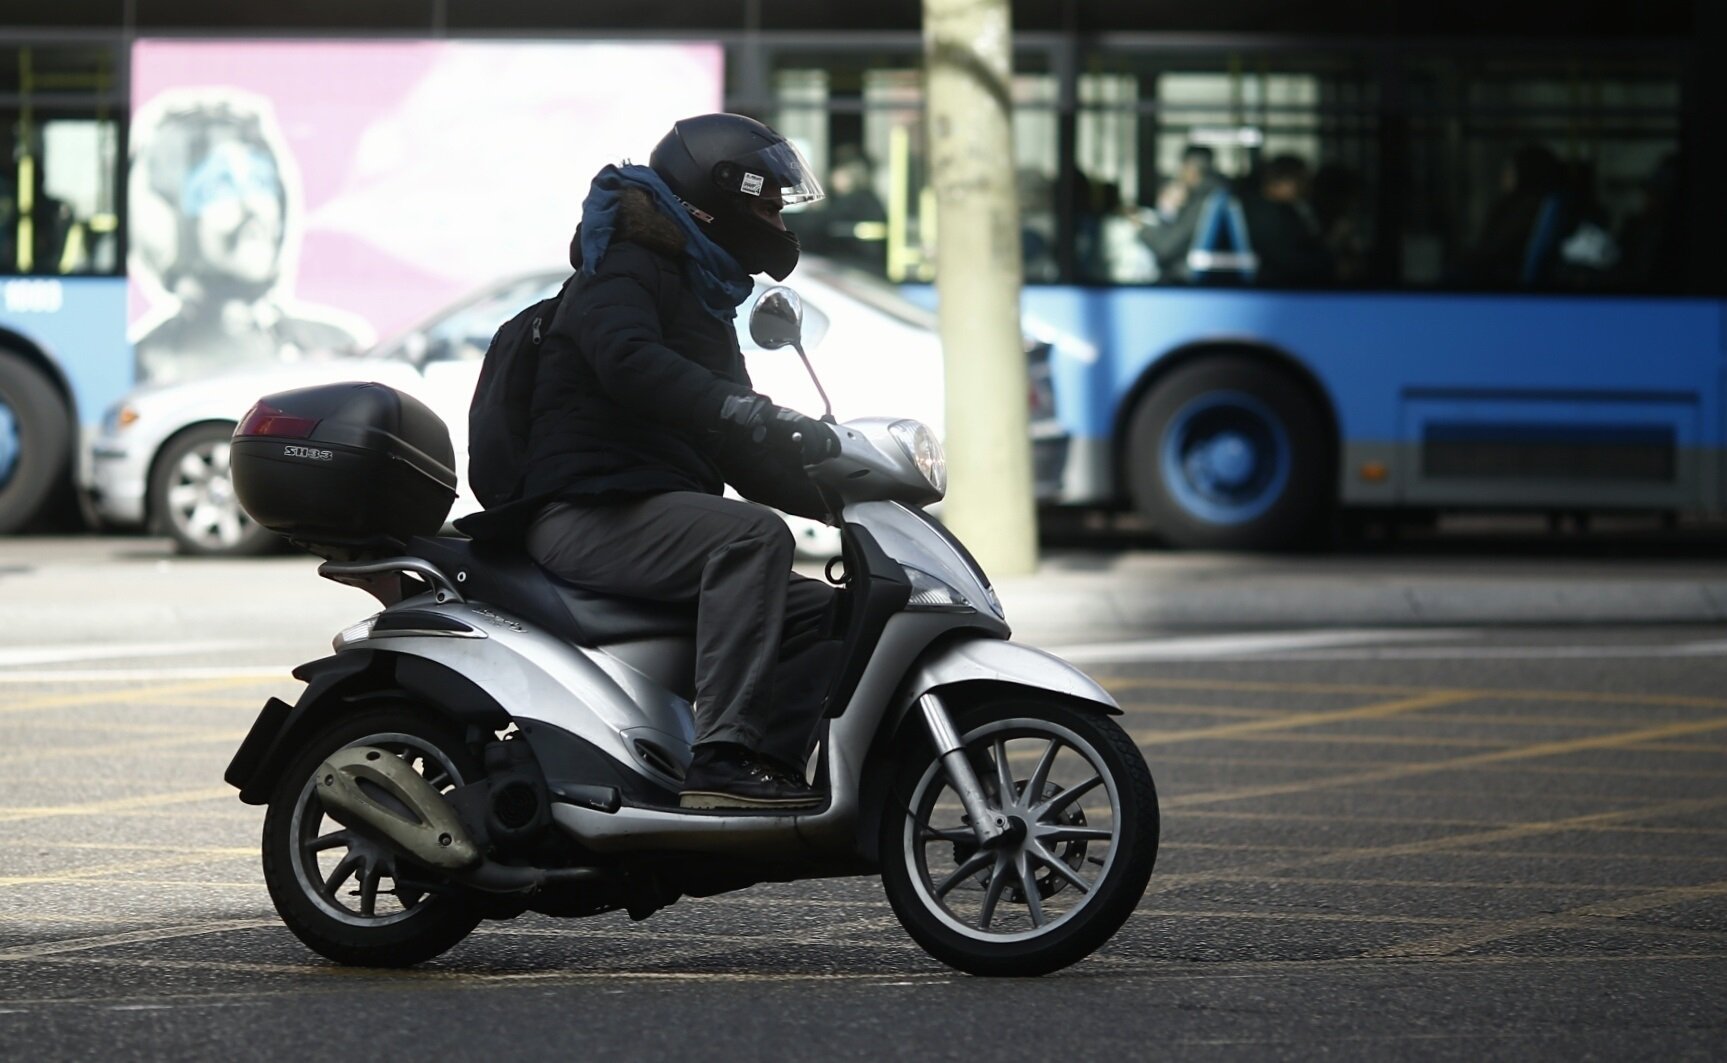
x,y
786,430
809,439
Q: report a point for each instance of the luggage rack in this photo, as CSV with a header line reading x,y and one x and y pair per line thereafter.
x,y
374,577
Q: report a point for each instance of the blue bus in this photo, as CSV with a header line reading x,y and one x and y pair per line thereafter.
x,y
1294,261
1384,259
63,351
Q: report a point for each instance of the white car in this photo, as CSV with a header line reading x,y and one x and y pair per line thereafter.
x,y
160,458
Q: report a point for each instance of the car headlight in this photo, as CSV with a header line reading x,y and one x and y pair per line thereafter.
x,y
924,449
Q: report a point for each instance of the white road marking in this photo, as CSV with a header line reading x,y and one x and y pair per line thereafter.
x,y
262,673
1526,653
1250,644
1359,645
85,651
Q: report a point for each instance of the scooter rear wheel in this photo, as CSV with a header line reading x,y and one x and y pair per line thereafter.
x,y
1079,857
348,895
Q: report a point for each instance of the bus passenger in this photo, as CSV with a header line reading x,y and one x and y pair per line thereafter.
x,y
1283,229
1182,203
850,226
1520,240
1651,241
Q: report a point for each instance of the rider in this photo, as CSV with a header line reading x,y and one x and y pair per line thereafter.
x,y
643,412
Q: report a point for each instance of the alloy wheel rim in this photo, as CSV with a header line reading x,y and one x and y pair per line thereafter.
x,y
1067,812
201,500
364,863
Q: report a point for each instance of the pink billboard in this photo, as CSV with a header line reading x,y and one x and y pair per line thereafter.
x,y
302,199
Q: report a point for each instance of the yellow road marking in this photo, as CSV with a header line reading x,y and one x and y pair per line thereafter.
x,y
145,846
145,802
92,698
1417,821
1377,690
81,874
1149,738
1325,762
1302,917
1525,752
54,752
1423,883
1179,709
1492,836
1378,710
1096,966
130,937
1457,941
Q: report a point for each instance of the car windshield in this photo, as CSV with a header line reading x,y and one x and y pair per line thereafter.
x,y
873,292
466,331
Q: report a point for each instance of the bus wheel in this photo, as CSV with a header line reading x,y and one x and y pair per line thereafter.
x,y
35,441
1230,454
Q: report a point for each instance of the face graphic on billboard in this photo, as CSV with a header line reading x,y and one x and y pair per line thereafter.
x,y
292,200
212,204
234,200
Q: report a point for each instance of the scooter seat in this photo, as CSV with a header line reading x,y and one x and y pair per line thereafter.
x,y
509,579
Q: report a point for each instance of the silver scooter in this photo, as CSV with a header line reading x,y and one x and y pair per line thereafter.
x,y
495,742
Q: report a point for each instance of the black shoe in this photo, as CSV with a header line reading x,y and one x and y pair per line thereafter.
x,y
733,777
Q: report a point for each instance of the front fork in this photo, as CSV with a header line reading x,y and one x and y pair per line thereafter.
x,y
989,824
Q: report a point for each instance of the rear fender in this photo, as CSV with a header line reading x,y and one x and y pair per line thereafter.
x,y
348,681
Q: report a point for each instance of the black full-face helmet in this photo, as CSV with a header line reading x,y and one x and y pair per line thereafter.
x,y
722,166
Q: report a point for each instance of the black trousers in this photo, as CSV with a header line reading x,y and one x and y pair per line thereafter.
x,y
762,657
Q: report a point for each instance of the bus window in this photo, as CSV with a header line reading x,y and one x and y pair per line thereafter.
x,y
858,114
58,210
1530,174
1247,168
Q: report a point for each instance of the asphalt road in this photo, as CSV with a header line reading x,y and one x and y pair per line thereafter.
x,y
1417,844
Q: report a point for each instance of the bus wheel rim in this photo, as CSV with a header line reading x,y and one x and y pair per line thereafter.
x,y
1225,457
11,444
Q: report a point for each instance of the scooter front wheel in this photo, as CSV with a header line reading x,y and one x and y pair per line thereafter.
x,y
343,892
1076,861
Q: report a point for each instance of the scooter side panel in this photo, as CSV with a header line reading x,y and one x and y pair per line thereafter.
x,y
830,831
536,675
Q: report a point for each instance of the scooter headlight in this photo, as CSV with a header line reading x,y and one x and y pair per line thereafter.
x,y
924,450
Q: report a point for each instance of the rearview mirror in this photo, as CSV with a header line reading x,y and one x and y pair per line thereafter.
x,y
777,320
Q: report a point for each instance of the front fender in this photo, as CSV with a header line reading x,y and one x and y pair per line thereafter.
x,y
1007,663
966,666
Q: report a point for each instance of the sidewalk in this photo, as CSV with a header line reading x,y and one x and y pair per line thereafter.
x,y
1101,595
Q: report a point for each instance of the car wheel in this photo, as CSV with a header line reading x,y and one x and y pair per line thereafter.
x,y
1230,453
192,498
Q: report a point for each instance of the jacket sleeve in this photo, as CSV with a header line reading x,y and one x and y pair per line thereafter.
x,y
614,318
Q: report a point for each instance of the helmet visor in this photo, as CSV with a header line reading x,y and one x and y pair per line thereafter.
x,y
778,167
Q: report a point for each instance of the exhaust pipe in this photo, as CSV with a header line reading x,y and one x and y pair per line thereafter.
x,y
364,786
369,788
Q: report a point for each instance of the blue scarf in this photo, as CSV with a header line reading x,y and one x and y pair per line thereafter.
x,y
718,280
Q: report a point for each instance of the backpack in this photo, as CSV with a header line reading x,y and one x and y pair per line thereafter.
x,y
498,413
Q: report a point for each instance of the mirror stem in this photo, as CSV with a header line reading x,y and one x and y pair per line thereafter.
x,y
827,405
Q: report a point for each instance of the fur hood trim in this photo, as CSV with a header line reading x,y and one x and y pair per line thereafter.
x,y
640,221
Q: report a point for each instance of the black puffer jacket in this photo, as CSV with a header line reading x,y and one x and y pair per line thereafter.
x,y
631,379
